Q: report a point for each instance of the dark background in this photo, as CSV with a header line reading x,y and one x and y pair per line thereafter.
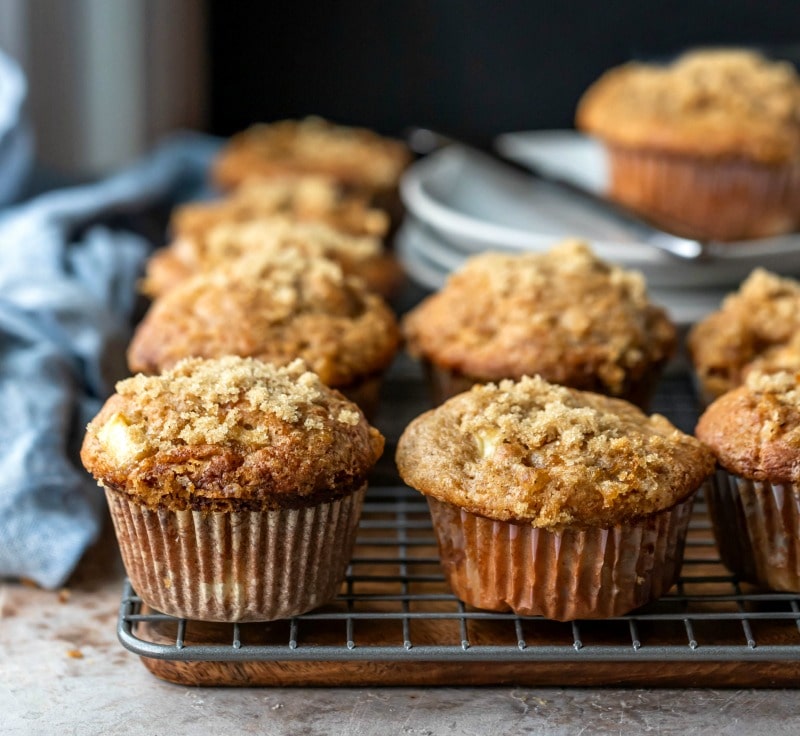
x,y
472,68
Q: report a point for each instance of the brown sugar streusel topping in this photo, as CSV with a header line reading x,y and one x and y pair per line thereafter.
x,y
554,457
305,197
356,156
274,307
230,429
564,314
229,241
776,359
707,103
754,430
754,323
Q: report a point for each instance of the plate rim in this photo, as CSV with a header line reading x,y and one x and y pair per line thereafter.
x,y
410,243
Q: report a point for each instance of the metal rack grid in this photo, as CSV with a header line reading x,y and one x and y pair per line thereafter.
x,y
394,590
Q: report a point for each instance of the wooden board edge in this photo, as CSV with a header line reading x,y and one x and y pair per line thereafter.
x,y
442,674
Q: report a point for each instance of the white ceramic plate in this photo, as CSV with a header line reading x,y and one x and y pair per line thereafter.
x,y
468,203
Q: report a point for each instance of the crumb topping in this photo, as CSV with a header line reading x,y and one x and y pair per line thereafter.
x,y
232,240
304,197
564,314
732,100
755,429
776,359
783,385
347,416
275,307
227,242
552,456
218,399
759,322
294,274
355,156
233,428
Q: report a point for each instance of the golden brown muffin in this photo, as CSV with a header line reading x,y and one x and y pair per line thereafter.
x,y
208,250
708,145
548,500
275,307
762,317
564,314
235,486
777,359
302,197
357,158
754,431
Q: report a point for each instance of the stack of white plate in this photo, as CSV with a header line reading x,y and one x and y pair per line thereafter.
x,y
460,202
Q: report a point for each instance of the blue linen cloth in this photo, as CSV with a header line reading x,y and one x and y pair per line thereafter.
x,y
68,270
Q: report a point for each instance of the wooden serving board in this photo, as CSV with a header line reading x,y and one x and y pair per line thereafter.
x,y
528,674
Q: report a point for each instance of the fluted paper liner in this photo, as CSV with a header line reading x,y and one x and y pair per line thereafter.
x,y
728,199
236,566
592,573
757,528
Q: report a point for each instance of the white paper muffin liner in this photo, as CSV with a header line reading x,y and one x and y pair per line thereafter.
x,y
757,528
593,573
236,566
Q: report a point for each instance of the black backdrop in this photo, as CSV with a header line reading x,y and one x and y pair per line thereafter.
x,y
472,67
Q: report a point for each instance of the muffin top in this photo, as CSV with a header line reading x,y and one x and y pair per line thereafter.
x,y
709,103
230,433
275,307
564,314
776,359
754,430
762,316
550,456
356,157
303,197
228,241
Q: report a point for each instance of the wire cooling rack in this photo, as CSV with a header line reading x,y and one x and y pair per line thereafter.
x,y
395,599
395,605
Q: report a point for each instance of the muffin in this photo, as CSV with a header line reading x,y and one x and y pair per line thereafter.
x,y
551,501
757,323
708,146
565,315
776,359
358,159
235,487
196,250
303,197
275,308
754,431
